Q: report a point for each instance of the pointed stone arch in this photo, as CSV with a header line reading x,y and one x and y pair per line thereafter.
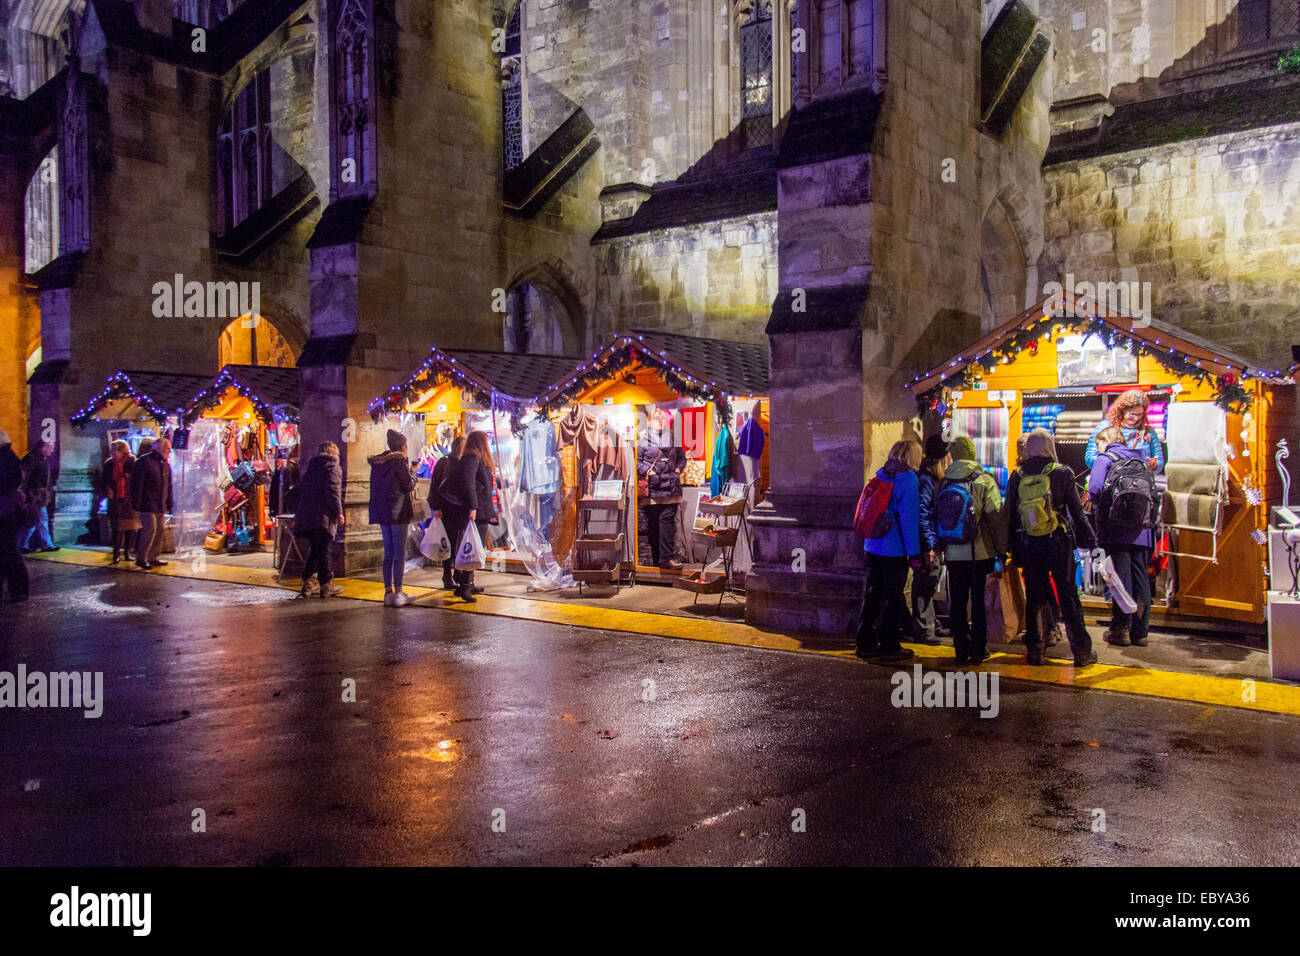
x,y
1009,251
556,285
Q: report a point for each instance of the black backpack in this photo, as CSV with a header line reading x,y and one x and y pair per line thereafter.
x,y
1128,495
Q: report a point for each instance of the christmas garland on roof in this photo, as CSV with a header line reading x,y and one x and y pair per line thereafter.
x,y
118,384
434,370
623,355
211,397
1229,393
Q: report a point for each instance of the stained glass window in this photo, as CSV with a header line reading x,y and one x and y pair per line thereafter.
x,y
756,75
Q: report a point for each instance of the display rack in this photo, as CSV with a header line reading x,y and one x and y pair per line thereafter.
x,y
724,538
589,570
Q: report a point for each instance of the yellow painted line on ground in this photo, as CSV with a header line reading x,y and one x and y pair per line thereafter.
x,y
1202,689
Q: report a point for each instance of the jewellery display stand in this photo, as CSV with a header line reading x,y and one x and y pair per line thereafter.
x,y
723,538
588,569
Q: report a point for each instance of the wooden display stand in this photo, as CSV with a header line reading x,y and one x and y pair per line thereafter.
x,y
585,569
724,539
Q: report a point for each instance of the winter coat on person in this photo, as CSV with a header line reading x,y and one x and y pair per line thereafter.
x,y
469,487
1148,444
925,488
660,461
38,481
12,475
990,535
151,484
1109,533
390,488
320,496
441,472
1076,529
904,537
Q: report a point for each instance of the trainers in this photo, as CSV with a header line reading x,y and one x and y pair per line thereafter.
x,y
1089,658
388,598
400,599
931,640
1055,635
330,590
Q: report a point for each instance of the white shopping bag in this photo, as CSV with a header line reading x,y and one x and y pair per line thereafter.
x,y
1123,600
471,555
435,545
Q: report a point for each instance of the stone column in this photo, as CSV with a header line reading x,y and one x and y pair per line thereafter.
x,y
808,563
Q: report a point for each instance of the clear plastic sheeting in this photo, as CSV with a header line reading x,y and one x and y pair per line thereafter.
x,y
535,552
196,495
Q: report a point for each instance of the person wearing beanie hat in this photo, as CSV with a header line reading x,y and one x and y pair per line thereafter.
x,y
970,529
391,484
13,517
925,579
1048,557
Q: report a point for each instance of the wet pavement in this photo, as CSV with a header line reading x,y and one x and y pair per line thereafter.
x,y
489,740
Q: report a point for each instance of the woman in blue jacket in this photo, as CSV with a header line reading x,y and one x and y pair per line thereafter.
x,y
925,579
1129,415
888,558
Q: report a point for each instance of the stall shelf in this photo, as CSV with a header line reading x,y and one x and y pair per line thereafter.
x,y
1066,354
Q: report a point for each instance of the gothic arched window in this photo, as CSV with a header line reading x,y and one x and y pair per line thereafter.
x,y
354,141
512,90
756,111
244,154
41,214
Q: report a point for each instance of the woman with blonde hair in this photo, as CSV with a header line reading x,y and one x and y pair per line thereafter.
x,y
889,556
1129,415
115,485
467,497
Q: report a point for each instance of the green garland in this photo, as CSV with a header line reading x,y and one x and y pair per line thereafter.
x,y
1229,393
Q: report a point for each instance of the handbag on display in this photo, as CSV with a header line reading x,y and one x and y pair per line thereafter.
x,y
261,472
243,477
693,473
232,496
215,541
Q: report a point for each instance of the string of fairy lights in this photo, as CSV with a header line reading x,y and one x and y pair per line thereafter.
x,y
1038,324
606,363
119,385
212,396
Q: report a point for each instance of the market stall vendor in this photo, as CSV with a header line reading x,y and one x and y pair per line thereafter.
x,y
1129,415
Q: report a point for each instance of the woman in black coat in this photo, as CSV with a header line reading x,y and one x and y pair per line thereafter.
x,y
319,514
115,486
391,485
660,461
466,497
438,504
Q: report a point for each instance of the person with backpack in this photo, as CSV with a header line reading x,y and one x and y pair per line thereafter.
x,y
925,579
889,518
1125,507
968,526
439,503
1045,523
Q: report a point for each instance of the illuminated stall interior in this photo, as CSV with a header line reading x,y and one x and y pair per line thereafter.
x,y
133,406
457,391
1219,418
703,384
244,420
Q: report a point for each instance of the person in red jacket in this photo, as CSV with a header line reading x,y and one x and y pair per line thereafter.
x,y
889,557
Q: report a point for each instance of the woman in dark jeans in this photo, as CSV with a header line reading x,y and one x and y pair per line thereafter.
x,y
320,512
438,504
391,485
466,497
660,461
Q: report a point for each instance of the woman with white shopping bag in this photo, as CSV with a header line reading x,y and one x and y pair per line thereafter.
x,y
467,509
441,472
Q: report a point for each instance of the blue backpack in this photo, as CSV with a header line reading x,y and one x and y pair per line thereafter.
x,y
954,510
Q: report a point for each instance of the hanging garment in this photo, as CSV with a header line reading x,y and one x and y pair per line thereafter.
x,y
539,465
578,429
752,438
721,461
610,461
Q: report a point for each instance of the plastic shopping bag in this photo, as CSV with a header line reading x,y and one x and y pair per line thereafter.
x,y
435,545
1123,600
471,555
